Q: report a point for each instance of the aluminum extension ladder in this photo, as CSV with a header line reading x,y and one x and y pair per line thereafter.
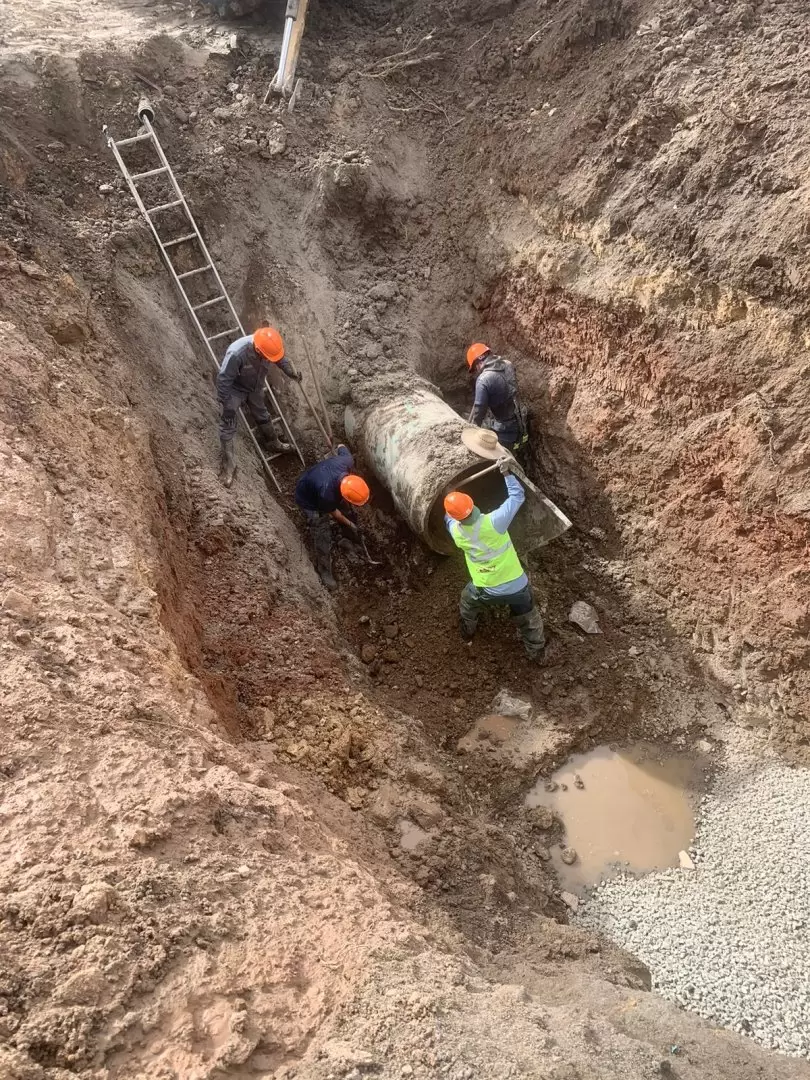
x,y
206,272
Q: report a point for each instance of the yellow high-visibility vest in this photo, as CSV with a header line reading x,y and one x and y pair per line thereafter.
x,y
490,555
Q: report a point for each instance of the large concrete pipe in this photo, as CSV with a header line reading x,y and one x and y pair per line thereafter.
x,y
412,440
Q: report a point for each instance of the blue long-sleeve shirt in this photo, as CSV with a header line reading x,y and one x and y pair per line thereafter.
x,y
501,518
318,488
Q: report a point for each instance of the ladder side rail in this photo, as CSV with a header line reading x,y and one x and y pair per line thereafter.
x,y
136,195
283,419
203,246
259,450
141,206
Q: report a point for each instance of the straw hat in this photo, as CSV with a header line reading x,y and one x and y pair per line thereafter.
x,y
484,443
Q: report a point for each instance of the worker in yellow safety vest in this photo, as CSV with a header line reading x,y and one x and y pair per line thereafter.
x,y
497,576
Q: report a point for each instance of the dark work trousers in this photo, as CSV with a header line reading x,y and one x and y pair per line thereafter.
x,y
255,402
508,434
320,529
525,616
511,433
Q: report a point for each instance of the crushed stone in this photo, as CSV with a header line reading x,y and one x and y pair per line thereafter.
x,y
728,940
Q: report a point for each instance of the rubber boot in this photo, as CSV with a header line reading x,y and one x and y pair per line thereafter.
x,y
530,628
270,438
227,461
324,567
321,529
468,608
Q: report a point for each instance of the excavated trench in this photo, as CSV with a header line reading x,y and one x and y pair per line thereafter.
x,y
269,653
371,258
400,620
261,649
258,650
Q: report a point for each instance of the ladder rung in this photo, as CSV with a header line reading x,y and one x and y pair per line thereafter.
x,y
134,139
165,206
191,273
150,172
209,303
226,333
179,240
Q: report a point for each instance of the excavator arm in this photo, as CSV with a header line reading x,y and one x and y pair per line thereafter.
x,y
294,20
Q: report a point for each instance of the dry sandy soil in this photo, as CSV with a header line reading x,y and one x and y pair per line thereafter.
x,y
203,785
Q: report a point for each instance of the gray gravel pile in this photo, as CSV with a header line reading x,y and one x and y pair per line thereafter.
x,y
731,939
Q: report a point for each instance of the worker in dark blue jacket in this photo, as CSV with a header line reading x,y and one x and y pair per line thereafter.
x,y
328,491
496,396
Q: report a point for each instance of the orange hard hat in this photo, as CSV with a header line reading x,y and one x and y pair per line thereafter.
x,y
354,490
267,342
458,505
476,351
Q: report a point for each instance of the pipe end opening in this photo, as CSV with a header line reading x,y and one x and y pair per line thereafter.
x,y
487,493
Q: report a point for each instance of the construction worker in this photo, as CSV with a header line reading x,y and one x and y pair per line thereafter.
x,y
495,570
240,379
327,491
496,392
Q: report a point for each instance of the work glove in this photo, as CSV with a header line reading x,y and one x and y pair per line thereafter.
x,y
505,464
298,376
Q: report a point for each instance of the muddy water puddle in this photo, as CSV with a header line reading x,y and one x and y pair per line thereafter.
x,y
411,836
621,809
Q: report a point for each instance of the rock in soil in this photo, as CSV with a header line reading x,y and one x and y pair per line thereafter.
x,y
541,817
584,616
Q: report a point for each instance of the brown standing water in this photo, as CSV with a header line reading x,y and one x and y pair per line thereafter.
x,y
628,809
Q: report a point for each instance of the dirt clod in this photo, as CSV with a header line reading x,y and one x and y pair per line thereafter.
x,y
541,817
16,603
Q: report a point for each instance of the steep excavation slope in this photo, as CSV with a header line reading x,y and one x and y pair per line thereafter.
x,y
238,837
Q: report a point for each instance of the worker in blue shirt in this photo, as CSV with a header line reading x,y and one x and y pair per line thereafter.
x,y
497,576
325,492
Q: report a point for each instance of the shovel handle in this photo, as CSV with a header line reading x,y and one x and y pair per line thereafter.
x,y
514,467
314,373
318,420
362,539
481,472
